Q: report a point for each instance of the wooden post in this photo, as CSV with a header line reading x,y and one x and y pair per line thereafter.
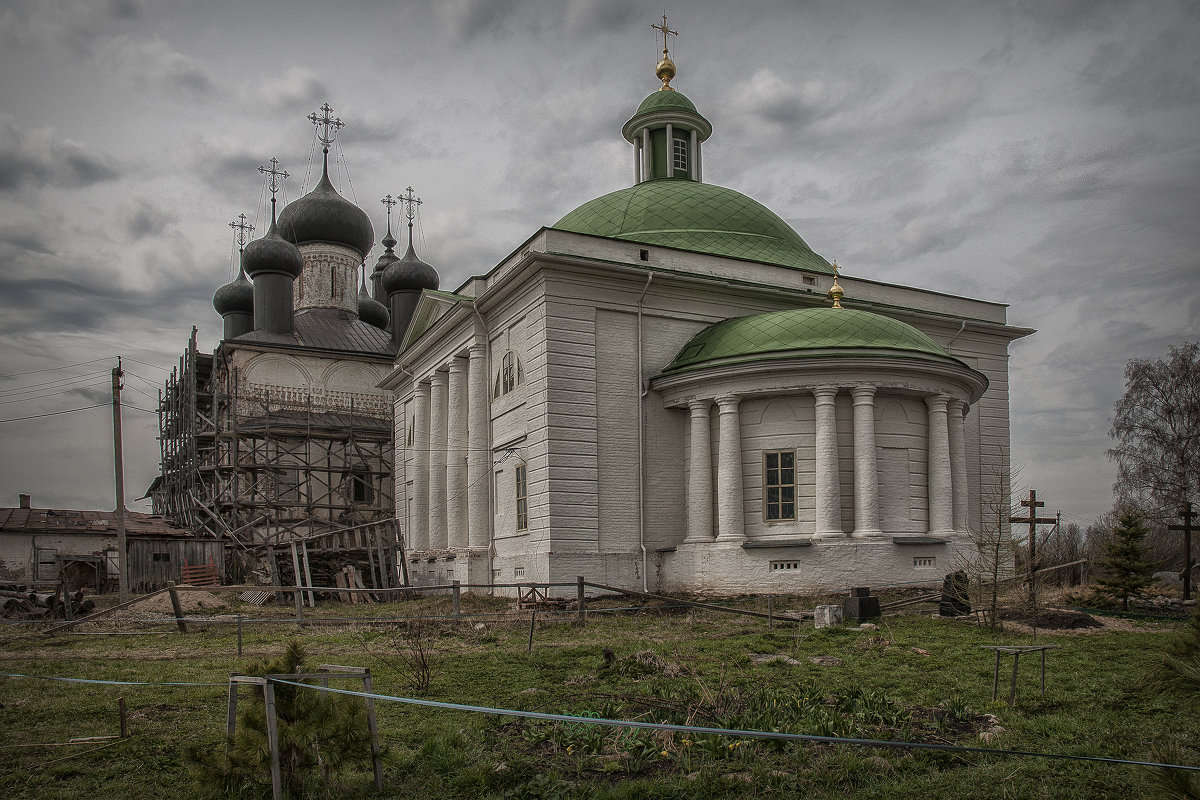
x,y
176,607
124,719
384,581
273,739
1187,514
996,678
66,593
532,622
231,719
119,470
239,616
580,601
375,758
1033,520
299,596
312,603
457,594
1012,694
370,548
770,612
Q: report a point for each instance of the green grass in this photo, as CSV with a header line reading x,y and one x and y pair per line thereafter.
x,y
700,670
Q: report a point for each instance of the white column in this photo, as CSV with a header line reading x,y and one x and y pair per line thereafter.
x,y
828,478
731,519
694,155
647,153
437,461
699,494
456,456
670,151
941,504
418,534
956,410
866,464
478,464
637,161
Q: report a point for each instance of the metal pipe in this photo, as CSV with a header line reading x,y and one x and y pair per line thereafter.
x,y
641,433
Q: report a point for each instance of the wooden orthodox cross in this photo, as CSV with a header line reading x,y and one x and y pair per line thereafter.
x,y
1033,520
1188,515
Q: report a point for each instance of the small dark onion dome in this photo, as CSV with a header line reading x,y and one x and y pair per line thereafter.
x,y
323,215
272,253
370,310
235,296
410,273
388,256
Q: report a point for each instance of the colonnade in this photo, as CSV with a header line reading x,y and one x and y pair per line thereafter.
x,y
945,452
449,507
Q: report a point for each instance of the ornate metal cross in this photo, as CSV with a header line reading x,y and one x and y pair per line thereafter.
x,y
665,31
243,229
327,124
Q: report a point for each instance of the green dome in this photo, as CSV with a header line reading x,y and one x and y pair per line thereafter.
x,y
798,333
700,217
663,100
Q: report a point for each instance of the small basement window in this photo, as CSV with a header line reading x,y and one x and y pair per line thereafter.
x,y
924,561
518,572
784,566
809,280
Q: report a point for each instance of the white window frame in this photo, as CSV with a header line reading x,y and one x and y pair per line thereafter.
x,y
679,155
521,495
779,486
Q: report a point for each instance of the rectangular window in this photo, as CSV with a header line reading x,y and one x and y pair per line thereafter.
x,y
924,561
361,490
776,566
160,557
287,485
522,500
679,155
779,485
518,572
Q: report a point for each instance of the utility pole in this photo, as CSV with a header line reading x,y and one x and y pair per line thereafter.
x,y
1188,515
119,468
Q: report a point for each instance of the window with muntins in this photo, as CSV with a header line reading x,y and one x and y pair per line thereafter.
x,y
361,488
522,500
779,485
510,375
679,155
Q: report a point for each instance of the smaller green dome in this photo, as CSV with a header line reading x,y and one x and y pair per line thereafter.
x,y
798,333
661,100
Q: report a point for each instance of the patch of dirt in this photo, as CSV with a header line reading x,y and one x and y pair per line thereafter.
x,y
160,605
1055,619
1103,624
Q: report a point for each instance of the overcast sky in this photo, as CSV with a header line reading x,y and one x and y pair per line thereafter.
x,y
1043,154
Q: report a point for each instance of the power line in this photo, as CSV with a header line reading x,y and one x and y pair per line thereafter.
x,y
55,413
64,366
57,382
48,395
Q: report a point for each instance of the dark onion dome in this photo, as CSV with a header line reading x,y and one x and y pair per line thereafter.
x,y
370,310
237,295
323,215
410,273
388,257
272,253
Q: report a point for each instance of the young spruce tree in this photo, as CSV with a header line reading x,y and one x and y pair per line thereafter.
x,y
1126,572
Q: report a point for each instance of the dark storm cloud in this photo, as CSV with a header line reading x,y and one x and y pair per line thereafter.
x,y
43,158
147,219
469,19
594,16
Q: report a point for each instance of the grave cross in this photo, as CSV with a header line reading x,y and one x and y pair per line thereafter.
x,y
1187,527
1033,520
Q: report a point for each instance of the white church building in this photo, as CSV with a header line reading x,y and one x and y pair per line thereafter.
x,y
669,390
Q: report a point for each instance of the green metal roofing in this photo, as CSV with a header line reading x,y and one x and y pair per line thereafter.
x,y
662,100
800,332
700,217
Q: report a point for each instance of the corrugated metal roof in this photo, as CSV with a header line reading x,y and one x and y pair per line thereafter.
x,y
46,520
329,329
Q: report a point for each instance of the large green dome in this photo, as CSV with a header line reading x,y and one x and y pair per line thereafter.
x,y
808,332
700,217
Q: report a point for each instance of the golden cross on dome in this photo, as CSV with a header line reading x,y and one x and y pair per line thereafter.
x,y
665,31
836,293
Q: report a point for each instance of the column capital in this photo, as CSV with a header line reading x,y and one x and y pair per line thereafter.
x,y
958,406
477,350
936,402
863,394
825,394
699,407
440,376
456,364
728,403
422,387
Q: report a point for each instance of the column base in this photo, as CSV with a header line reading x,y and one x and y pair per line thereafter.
x,y
830,534
868,533
698,540
736,537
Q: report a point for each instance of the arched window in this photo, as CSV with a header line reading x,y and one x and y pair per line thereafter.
x,y
509,376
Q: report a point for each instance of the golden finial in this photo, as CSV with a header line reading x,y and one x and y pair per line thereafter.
x,y
666,67
836,293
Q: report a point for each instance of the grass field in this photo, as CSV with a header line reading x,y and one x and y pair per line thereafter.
x,y
916,678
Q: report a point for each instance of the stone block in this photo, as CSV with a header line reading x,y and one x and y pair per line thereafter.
x,y
828,616
857,608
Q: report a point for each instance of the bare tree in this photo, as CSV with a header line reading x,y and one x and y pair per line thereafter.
x,y
1156,428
